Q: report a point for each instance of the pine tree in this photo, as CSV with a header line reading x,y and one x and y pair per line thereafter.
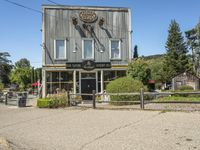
x,y
176,58
135,55
193,41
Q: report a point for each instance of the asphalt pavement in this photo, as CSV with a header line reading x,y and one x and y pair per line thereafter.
x,y
87,129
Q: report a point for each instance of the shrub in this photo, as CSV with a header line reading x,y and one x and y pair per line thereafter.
x,y
43,102
158,86
186,87
54,101
58,100
124,85
1,86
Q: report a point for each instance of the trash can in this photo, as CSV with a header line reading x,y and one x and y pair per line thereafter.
x,y
22,101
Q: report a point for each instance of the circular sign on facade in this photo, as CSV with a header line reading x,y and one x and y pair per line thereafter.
x,y
88,16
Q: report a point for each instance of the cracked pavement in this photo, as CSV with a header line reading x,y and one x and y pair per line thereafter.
x,y
88,129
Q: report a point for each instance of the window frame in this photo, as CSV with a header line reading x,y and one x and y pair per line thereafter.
x,y
110,56
65,49
84,50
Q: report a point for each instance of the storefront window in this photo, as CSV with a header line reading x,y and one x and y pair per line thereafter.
x,y
109,76
59,81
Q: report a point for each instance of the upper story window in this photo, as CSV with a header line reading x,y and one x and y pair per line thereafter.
x,y
115,49
88,49
59,49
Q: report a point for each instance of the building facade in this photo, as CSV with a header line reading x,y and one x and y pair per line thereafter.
x,y
84,48
185,79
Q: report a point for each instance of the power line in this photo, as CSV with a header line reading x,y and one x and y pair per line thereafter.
x,y
35,10
20,5
53,2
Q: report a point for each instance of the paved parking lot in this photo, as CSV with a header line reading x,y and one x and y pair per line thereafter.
x,y
81,129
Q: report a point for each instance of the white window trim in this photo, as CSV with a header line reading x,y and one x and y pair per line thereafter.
x,y
119,49
65,50
92,49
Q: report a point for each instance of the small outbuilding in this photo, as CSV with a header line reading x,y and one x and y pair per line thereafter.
x,y
185,79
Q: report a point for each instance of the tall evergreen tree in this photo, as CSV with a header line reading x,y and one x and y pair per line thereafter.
x,y
193,41
135,54
176,58
5,67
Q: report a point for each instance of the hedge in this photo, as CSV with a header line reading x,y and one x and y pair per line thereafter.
x,y
186,87
43,103
54,101
125,85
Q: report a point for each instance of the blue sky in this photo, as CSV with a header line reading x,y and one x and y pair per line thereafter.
x,y
20,33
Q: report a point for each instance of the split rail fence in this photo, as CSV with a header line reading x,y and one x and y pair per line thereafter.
x,y
142,101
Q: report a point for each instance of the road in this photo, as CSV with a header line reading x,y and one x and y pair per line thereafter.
x,y
88,129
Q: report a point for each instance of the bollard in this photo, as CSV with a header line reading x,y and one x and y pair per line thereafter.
x,y
94,99
68,98
6,99
142,98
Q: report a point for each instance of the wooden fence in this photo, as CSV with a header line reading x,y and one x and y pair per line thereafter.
x,y
140,94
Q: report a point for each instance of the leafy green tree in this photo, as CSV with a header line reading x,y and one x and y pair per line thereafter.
x,y
139,70
38,72
176,58
155,63
23,63
5,67
22,77
21,74
135,55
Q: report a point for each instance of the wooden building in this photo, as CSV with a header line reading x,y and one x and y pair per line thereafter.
x,y
185,79
84,48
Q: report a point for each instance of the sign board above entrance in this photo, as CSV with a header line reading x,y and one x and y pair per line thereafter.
x,y
88,65
88,16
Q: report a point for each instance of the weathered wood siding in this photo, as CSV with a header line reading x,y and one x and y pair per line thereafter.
x,y
57,24
185,79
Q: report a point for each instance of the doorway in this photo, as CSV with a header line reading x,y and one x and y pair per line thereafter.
x,y
88,84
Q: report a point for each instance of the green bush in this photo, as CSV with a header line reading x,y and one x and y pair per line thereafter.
x,y
158,86
43,102
58,100
54,101
186,88
1,86
125,85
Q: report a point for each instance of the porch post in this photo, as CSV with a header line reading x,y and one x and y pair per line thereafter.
x,y
79,82
74,82
102,86
43,83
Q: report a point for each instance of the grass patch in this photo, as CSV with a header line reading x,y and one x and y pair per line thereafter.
x,y
177,99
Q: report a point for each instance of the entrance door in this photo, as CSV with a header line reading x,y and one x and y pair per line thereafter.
x,y
88,84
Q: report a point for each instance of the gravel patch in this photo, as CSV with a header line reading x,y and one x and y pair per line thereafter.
x,y
4,145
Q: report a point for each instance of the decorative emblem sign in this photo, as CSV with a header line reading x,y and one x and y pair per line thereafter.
x,y
88,65
88,16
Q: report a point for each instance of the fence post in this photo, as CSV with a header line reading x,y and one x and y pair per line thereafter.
x,y
6,99
68,98
94,99
142,98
